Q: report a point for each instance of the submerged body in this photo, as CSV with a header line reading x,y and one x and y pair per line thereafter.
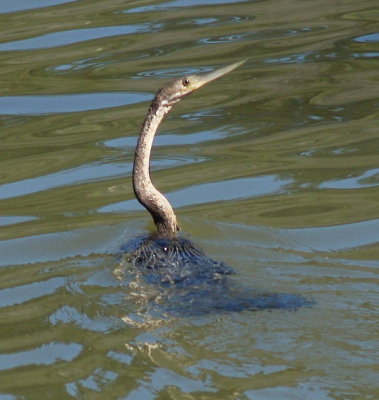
x,y
176,262
189,282
176,278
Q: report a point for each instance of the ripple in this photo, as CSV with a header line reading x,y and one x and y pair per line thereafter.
x,y
95,382
244,370
258,35
367,179
202,21
66,103
175,139
68,314
308,390
227,38
298,58
52,247
334,237
65,38
312,56
180,4
159,378
47,354
67,177
22,5
171,72
369,54
211,21
213,192
120,357
371,38
79,65
8,397
13,220
24,293
83,174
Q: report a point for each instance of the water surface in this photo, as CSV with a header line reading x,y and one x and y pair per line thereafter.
x,y
273,169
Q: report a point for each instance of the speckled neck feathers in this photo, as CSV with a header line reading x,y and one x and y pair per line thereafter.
x,y
146,193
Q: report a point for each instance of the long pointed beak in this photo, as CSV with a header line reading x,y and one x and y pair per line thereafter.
x,y
211,76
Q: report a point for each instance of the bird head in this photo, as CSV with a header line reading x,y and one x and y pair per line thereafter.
x,y
178,88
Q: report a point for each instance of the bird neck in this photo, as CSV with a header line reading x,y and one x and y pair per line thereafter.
x,y
146,193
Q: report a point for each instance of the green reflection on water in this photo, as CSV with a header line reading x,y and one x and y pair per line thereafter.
x,y
298,123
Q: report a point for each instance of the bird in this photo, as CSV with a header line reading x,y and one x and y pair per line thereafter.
x,y
175,259
189,282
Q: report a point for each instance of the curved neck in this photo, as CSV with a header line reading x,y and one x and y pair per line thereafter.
x,y
146,193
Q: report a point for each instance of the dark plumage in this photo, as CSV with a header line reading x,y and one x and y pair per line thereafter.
x,y
189,282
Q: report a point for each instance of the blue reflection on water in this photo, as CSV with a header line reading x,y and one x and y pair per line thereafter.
x,y
65,103
15,219
366,179
47,354
22,5
73,36
181,3
214,191
21,294
372,38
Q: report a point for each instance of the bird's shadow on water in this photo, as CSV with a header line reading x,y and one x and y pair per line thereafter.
x,y
189,283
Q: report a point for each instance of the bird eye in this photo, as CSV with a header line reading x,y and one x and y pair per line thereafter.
x,y
185,82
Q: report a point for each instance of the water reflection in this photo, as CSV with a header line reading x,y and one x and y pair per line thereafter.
x,y
172,72
259,35
47,354
20,5
24,293
366,179
172,139
371,38
10,220
213,192
101,323
65,38
274,171
67,103
181,3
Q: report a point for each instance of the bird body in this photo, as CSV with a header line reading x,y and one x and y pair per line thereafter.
x,y
189,282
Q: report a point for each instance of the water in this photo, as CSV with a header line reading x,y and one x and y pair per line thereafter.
x,y
273,169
